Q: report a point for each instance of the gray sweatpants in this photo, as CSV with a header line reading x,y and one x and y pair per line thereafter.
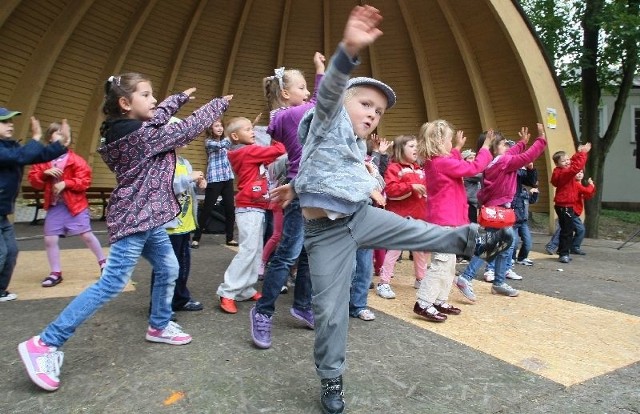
x,y
331,246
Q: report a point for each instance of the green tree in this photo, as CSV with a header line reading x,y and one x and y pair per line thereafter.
x,y
594,45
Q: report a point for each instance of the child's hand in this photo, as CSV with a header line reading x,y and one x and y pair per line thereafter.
x,y
459,140
590,181
63,135
534,190
529,166
584,148
53,172
540,130
384,145
361,29
524,134
318,61
188,92
378,198
255,121
282,195
58,187
488,139
36,129
202,183
420,189
197,175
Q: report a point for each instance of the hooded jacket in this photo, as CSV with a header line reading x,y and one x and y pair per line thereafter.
x,y
142,156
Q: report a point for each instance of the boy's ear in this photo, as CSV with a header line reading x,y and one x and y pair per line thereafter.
x,y
233,136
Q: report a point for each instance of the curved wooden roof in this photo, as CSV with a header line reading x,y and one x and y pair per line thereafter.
x,y
472,62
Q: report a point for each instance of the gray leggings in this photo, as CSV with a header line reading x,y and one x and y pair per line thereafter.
x,y
331,246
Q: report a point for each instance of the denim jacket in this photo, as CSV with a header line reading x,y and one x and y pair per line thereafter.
x,y
520,201
332,173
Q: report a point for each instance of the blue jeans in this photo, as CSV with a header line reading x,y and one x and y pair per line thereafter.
x,y
522,229
153,245
360,281
501,264
289,249
8,252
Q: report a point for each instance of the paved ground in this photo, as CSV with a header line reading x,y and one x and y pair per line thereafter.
x,y
394,366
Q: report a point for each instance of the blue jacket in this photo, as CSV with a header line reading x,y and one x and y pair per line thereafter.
x,y
332,173
520,201
13,157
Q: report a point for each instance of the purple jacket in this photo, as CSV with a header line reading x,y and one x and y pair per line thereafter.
x,y
284,128
144,162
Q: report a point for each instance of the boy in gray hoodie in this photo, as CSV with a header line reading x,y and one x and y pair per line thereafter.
x,y
335,190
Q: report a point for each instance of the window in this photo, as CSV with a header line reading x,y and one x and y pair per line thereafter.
x,y
635,125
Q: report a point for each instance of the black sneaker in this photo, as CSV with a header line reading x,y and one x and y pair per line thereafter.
x,y
492,243
332,397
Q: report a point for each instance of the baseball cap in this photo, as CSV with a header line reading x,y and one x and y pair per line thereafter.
x,y
467,153
7,114
383,87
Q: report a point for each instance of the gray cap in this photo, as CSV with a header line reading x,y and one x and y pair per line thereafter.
x,y
384,88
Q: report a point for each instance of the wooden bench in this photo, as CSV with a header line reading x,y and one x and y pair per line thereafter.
x,y
97,196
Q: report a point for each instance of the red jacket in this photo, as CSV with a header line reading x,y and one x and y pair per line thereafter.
x,y
246,161
563,179
585,192
77,179
401,199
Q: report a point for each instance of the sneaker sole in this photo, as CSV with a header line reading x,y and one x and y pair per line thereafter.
x,y
256,342
167,341
465,296
26,361
505,294
301,319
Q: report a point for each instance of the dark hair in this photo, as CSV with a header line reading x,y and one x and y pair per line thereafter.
x,y
117,87
208,131
398,147
494,146
557,155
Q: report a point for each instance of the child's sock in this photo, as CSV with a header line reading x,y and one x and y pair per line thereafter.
x,y
424,304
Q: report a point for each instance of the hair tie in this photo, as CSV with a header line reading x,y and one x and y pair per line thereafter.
x,y
114,79
279,74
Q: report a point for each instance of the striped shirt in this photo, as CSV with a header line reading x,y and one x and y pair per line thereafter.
x,y
218,166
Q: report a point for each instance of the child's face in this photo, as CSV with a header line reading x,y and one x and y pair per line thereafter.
x,y
502,147
564,162
580,176
365,108
296,93
244,134
410,151
142,105
6,128
217,129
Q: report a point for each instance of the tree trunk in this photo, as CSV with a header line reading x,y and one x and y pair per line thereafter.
x,y
590,101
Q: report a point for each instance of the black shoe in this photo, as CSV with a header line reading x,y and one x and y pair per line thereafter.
x,y
578,252
492,243
332,397
564,259
192,306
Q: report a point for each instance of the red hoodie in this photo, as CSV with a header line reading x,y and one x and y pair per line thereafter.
x,y
401,199
564,178
585,192
246,161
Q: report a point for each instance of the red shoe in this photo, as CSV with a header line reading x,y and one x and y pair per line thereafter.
x,y
228,305
256,297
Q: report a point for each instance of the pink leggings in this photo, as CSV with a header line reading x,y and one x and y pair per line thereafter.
x,y
272,243
390,259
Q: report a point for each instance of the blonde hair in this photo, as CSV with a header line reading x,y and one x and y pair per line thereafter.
x,y
273,89
398,147
235,124
433,136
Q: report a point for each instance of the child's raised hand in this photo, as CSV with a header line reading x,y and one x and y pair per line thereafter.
x,y
384,145
489,137
459,140
63,135
36,129
590,181
318,61
228,98
255,121
540,130
189,92
282,195
585,148
524,134
361,29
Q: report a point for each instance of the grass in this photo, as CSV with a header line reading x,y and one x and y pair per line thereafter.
x,y
632,217
613,224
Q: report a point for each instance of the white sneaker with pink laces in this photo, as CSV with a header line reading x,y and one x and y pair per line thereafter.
x,y
42,363
171,335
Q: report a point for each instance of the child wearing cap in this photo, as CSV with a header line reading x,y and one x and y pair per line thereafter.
x,y
13,157
335,188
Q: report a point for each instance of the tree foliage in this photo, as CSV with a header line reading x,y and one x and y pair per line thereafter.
x,y
595,47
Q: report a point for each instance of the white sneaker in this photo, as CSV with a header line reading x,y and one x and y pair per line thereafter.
x,y
417,283
7,296
525,262
384,291
512,275
489,276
